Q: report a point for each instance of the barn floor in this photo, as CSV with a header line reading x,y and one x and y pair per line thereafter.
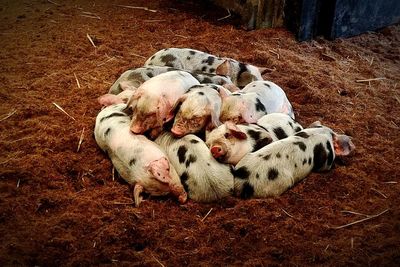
x,y
61,206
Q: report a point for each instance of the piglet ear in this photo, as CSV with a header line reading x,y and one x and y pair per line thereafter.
x,y
109,99
175,108
315,124
178,103
165,110
224,69
215,112
132,102
235,131
246,78
343,145
224,93
248,114
160,170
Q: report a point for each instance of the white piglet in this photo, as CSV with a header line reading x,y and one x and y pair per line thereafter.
x,y
138,160
204,178
152,103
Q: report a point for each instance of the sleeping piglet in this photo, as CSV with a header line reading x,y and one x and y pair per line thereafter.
x,y
197,109
204,178
198,61
276,167
138,160
254,101
152,103
230,142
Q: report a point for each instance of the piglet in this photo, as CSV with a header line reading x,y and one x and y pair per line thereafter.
x,y
204,178
254,101
276,167
198,61
152,103
229,142
197,109
138,160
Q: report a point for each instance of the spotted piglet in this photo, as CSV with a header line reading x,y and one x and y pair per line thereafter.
x,y
138,160
152,103
204,178
197,109
254,101
230,142
198,61
275,168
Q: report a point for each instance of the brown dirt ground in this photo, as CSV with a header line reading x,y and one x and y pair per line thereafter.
x,y
59,206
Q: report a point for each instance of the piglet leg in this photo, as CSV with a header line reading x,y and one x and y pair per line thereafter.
x,y
137,190
179,192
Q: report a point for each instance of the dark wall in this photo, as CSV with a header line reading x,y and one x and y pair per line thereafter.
x,y
339,18
353,17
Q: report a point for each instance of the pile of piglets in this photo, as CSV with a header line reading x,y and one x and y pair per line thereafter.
x,y
193,125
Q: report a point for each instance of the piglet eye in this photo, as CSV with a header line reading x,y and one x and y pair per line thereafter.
x,y
226,135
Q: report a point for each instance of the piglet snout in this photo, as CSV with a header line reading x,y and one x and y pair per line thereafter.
x,y
137,129
217,151
177,132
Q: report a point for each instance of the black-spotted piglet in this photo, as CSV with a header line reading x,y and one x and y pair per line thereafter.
x,y
204,178
276,167
254,101
197,61
229,143
138,160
